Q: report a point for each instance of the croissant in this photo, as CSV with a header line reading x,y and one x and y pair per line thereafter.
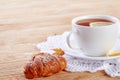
x,y
44,64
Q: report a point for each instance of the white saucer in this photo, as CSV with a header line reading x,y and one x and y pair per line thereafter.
x,y
80,54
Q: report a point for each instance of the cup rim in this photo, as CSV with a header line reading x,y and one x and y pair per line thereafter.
x,y
107,17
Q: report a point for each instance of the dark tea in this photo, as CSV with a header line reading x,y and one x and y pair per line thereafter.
x,y
86,22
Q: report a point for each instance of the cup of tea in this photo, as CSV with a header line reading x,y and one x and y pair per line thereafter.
x,y
94,34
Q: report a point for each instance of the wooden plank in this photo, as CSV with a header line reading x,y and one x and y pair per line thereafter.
x,y
24,23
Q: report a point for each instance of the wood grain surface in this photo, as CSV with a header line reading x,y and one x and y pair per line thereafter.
x,y
24,23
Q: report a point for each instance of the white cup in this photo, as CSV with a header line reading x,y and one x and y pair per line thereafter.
x,y
94,41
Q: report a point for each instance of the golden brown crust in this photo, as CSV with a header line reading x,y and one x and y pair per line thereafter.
x,y
62,63
44,64
27,72
39,66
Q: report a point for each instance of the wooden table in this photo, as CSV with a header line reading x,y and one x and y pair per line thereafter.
x,y
24,23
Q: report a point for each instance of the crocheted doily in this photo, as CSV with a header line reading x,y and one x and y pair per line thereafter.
x,y
77,64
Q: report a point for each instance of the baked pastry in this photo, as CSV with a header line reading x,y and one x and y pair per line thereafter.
x,y
44,64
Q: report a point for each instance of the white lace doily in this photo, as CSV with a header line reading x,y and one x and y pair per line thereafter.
x,y
77,64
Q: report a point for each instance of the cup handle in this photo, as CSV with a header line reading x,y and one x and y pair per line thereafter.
x,y
68,41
